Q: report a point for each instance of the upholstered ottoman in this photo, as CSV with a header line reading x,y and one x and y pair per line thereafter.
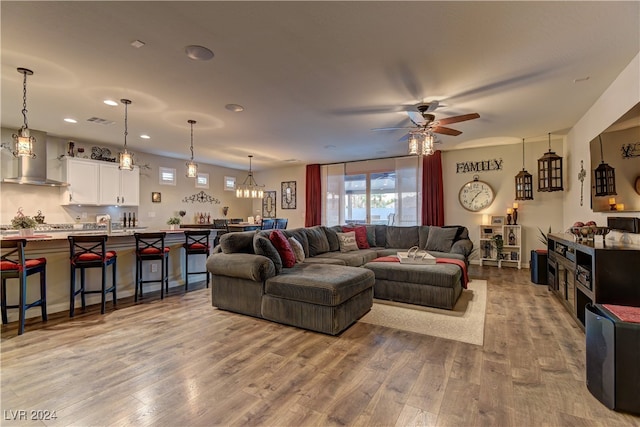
x,y
436,285
320,297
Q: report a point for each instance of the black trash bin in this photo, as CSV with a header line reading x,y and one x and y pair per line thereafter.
x,y
538,266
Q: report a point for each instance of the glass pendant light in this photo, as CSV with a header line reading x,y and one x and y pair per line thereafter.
x,y
192,168
605,177
550,171
126,158
524,182
414,143
23,141
250,188
427,144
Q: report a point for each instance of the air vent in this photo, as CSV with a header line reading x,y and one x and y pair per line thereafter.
x,y
100,121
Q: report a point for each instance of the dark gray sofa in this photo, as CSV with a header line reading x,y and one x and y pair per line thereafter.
x,y
327,292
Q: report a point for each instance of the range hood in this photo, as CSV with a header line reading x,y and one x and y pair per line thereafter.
x,y
33,171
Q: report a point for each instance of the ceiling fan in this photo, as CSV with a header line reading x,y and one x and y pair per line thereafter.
x,y
424,120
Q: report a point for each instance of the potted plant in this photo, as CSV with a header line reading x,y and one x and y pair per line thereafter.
x,y
25,224
173,222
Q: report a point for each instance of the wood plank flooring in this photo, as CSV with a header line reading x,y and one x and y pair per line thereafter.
x,y
181,362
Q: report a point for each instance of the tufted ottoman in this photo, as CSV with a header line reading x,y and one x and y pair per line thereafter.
x,y
320,297
437,285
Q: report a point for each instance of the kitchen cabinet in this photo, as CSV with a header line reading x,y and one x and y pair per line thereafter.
x,y
93,182
83,176
119,187
512,245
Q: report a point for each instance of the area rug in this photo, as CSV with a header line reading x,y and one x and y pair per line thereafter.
x,y
464,323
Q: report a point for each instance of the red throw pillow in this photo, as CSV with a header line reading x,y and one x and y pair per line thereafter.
x,y
283,247
361,236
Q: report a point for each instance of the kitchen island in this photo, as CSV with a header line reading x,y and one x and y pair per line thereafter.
x,y
54,246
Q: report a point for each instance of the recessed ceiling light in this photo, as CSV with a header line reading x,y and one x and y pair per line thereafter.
x,y
137,44
110,102
198,53
581,79
70,120
145,136
236,108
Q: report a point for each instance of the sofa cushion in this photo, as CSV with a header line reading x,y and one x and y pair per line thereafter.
x,y
381,235
237,242
440,239
318,243
353,258
371,235
423,235
332,237
298,250
283,247
324,284
263,246
347,241
401,237
361,235
301,236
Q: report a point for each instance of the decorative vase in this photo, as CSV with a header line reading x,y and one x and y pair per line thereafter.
x,y
25,232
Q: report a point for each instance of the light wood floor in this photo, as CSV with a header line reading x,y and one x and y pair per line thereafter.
x,y
180,362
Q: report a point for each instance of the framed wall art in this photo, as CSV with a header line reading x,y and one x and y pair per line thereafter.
x,y
288,195
497,220
269,204
156,197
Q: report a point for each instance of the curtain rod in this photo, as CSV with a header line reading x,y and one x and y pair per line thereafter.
x,y
365,160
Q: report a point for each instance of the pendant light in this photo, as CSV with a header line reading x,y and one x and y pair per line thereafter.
x,y
421,143
550,171
427,144
414,143
605,177
524,182
126,158
249,188
192,168
23,141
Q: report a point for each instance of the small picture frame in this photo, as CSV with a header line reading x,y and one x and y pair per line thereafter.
x,y
497,220
514,256
156,197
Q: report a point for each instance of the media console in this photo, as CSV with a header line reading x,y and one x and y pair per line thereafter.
x,y
586,272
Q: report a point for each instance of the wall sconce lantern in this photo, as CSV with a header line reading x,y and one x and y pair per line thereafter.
x,y
605,177
192,168
23,141
524,182
550,171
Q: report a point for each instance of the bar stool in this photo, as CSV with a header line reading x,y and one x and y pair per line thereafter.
x,y
91,252
268,224
281,223
196,243
222,227
15,266
150,247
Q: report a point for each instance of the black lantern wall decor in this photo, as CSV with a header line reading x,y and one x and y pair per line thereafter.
x,y
524,182
605,177
550,171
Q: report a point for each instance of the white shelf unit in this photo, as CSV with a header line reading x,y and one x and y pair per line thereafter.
x,y
511,250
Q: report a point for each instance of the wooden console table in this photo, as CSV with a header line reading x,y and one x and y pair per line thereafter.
x,y
592,272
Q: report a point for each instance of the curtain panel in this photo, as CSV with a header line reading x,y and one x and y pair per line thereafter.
x,y
432,190
313,211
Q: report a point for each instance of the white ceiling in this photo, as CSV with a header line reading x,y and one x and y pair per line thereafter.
x,y
314,77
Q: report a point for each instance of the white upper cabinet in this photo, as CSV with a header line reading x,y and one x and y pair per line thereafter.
x,y
82,176
119,187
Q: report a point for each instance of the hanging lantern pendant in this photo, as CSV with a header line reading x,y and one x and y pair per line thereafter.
x,y
192,168
550,171
524,182
23,141
605,177
126,158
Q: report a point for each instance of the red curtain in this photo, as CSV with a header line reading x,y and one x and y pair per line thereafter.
x,y
432,190
313,215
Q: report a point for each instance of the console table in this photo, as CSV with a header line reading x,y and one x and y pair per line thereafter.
x,y
579,273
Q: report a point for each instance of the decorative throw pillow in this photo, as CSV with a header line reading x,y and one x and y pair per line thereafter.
x,y
361,236
263,246
371,235
347,241
283,247
440,239
298,250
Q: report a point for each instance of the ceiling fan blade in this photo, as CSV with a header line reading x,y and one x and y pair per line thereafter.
x,y
432,106
456,119
445,131
393,128
415,117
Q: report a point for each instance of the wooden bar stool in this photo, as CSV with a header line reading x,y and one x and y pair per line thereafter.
x,y
222,227
150,247
14,265
196,243
91,252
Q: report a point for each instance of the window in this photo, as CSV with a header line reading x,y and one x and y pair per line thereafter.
x,y
202,180
229,183
167,176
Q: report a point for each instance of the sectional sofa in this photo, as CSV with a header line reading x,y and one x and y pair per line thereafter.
x,y
333,279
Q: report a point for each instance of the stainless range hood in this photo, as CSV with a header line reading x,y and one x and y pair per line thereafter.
x,y
33,171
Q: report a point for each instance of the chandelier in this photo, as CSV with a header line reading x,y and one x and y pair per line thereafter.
x,y
421,143
23,141
192,168
524,182
126,158
250,188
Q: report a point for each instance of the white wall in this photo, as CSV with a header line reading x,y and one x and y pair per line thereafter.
x,y
272,180
623,94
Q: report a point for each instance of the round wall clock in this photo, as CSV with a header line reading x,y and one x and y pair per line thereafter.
x,y
476,195
638,185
